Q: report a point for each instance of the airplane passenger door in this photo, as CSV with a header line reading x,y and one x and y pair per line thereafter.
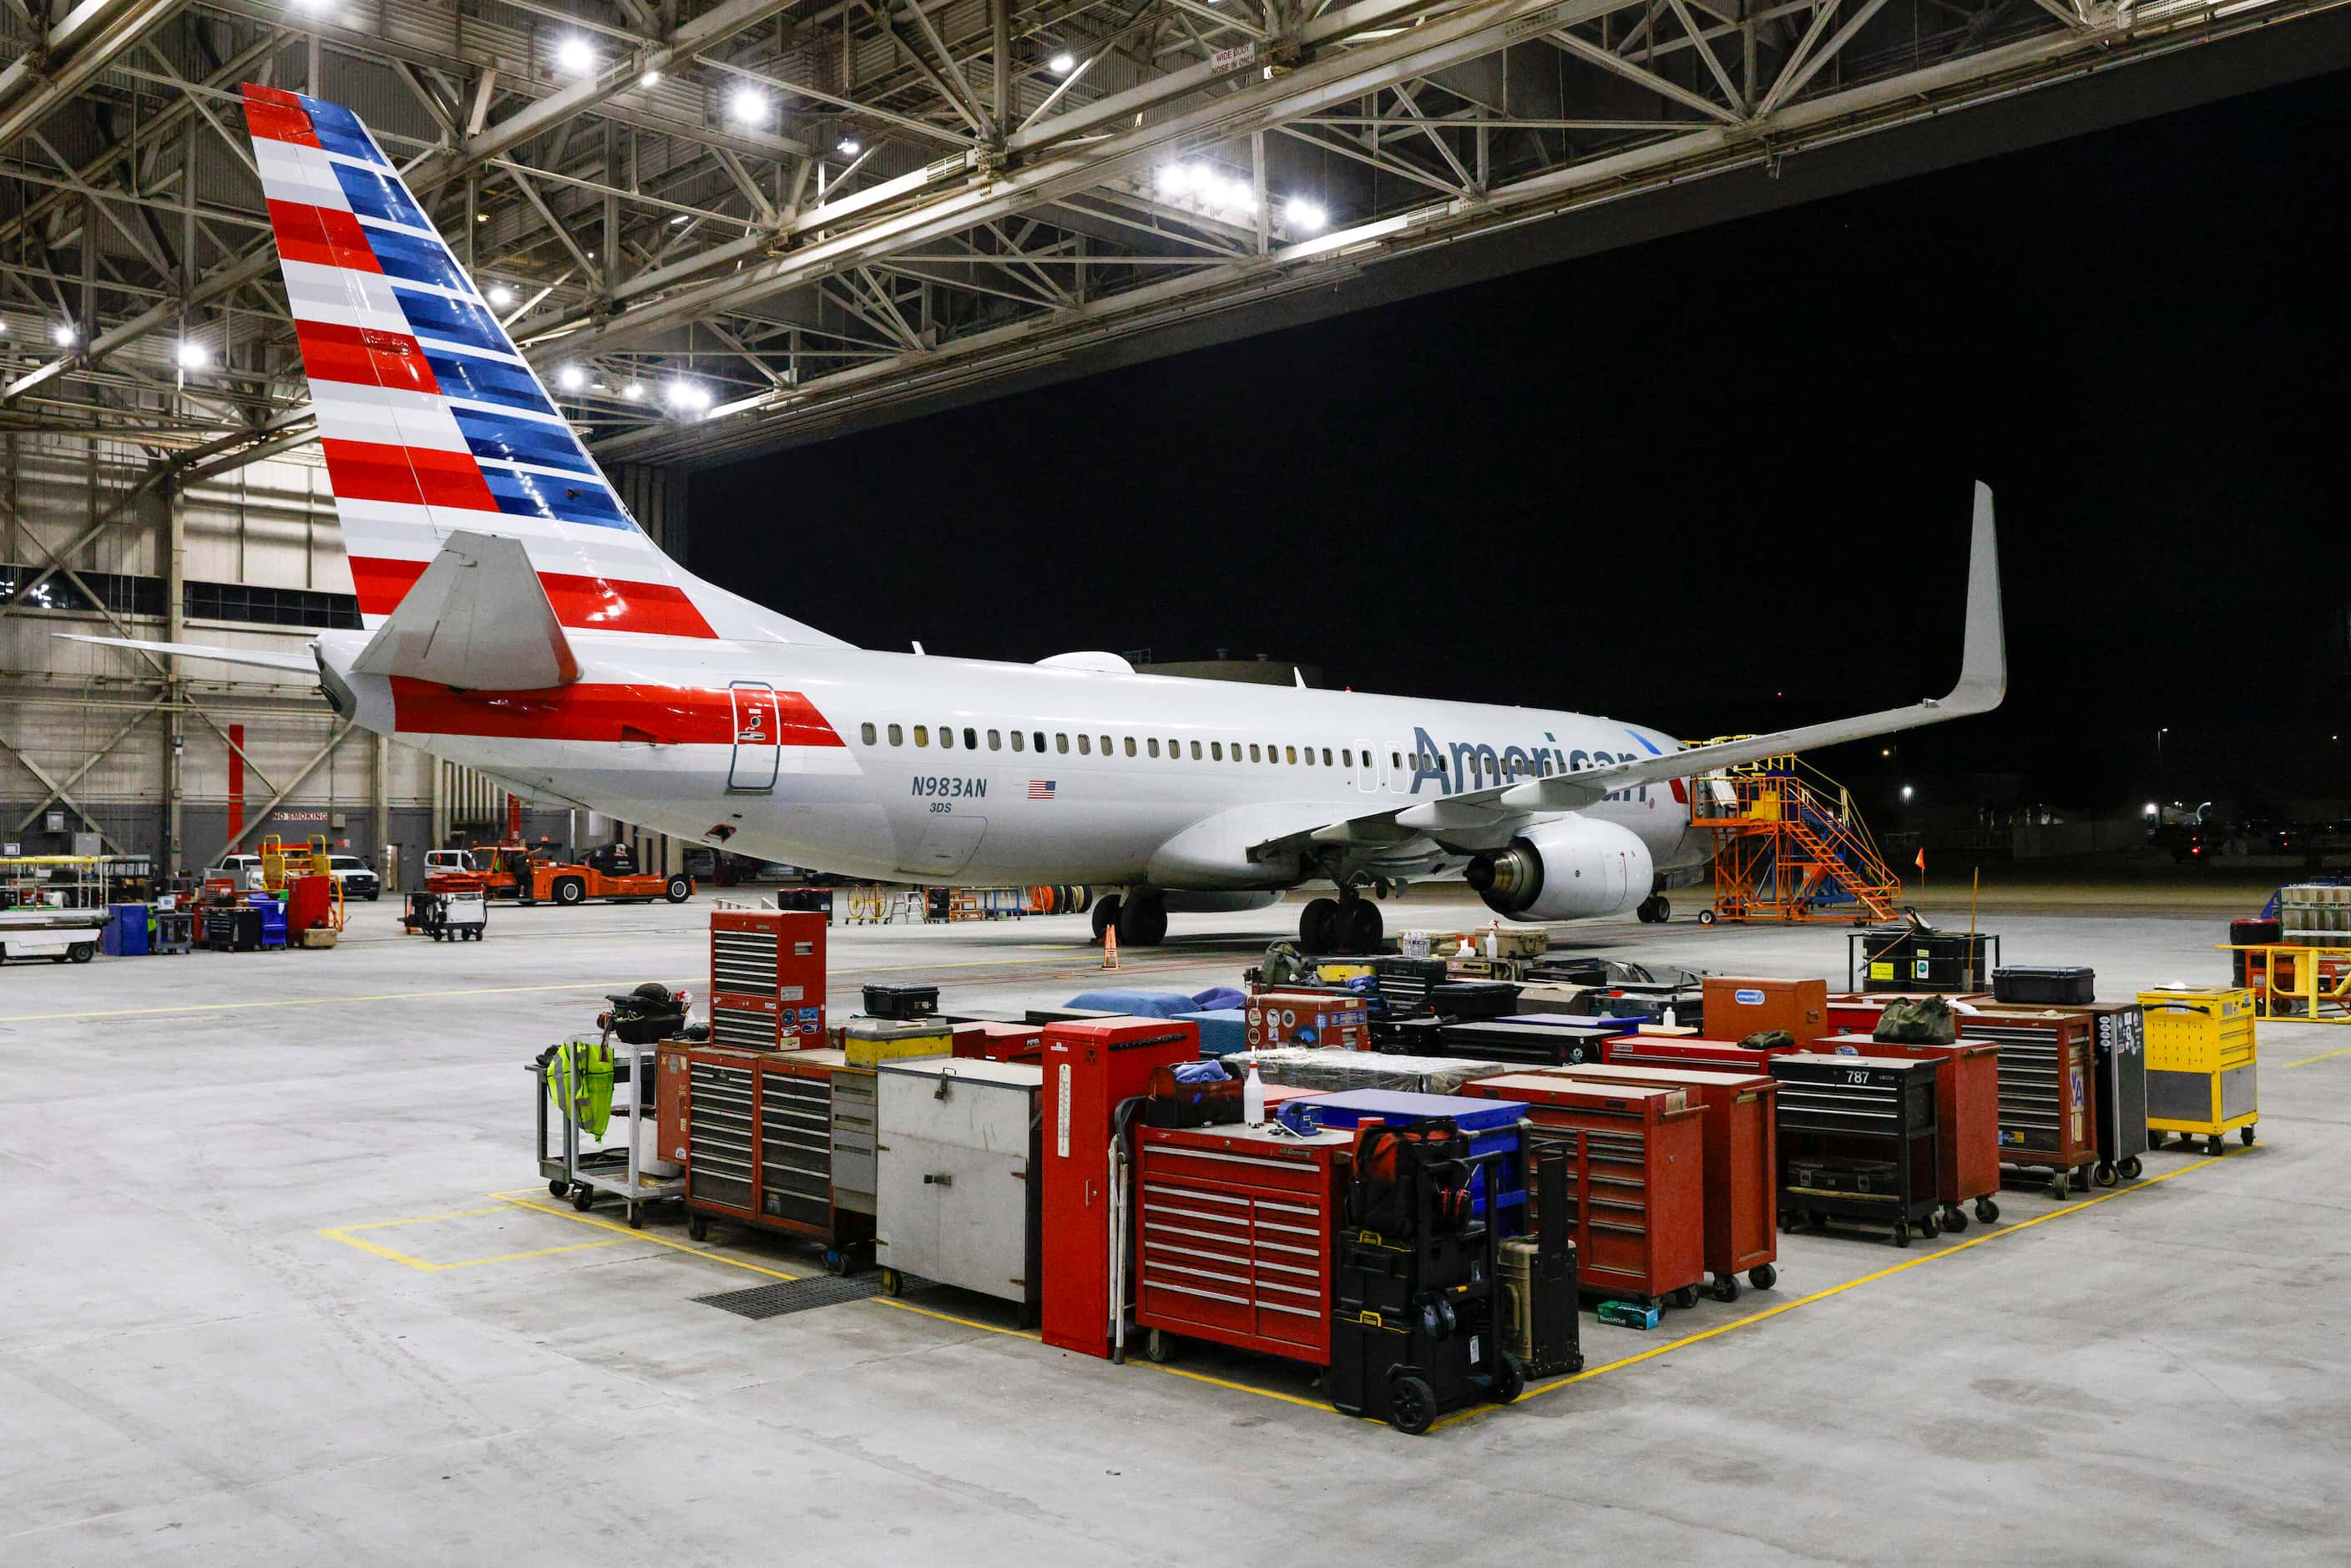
x,y
757,739
1367,768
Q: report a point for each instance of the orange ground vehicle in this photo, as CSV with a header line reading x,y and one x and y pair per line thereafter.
x,y
608,872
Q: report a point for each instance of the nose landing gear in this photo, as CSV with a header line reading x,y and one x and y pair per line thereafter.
x,y
1347,924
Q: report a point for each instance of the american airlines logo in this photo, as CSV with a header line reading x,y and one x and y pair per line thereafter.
x,y
1479,765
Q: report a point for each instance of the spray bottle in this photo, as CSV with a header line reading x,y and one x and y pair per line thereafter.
x,y
1253,1099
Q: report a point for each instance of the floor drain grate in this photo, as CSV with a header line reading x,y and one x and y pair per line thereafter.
x,y
801,1295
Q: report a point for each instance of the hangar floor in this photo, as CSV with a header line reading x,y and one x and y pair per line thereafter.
x,y
280,1286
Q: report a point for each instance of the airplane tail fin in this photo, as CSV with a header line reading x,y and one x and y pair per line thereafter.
x,y
431,423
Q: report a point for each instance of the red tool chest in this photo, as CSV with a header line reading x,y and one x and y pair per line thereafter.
x,y
754,1130
1233,1237
1717,1055
1308,1018
1738,1006
999,1041
1967,1106
1090,1068
2047,1093
1635,1173
1742,1164
767,979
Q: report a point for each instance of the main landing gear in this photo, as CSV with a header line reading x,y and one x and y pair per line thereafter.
x,y
1654,910
1347,924
1141,918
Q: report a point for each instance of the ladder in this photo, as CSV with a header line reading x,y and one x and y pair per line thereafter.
x,y
1791,847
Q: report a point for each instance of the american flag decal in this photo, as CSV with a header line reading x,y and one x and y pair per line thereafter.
x,y
1041,788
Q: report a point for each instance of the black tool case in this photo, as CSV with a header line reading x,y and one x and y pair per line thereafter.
x,y
1414,1330
1857,1142
1536,1044
901,1002
2042,985
1404,983
1467,999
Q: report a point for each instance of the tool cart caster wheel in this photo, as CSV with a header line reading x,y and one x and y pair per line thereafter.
x,y
636,1217
558,1188
2129,1167
893,1284
1509,1382
2213,1147
2246,1134
1902,1235
1412,1405
1931,1228
1763,1276
697,1227
836,1262
583,1199
2060,1185
1955,1219
1159,1347
1686,1298
2103,1174
1726,1288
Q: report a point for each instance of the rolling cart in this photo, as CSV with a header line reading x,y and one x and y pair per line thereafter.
x,y
2047,1093
2203,1075
584,1175
1858,1141
2119,1057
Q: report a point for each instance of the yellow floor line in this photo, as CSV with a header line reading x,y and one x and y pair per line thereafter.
x,y
2322,1056
423,1265
578,1219
1991,1236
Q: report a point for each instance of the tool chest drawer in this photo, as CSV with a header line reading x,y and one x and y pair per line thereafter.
x,y
795,1148
719,1134
852,1140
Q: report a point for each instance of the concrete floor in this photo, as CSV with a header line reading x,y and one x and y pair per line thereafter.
x,y
279,1286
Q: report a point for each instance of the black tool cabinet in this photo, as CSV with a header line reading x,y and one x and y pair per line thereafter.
x,y
1857,1142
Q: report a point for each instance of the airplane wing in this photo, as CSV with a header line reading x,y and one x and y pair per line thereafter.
x,y
478,620
1485,819
258,658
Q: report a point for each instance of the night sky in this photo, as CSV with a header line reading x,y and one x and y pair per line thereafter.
x,y
1717,482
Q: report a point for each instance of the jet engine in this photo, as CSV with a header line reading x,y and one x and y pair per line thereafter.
x,y
1575,868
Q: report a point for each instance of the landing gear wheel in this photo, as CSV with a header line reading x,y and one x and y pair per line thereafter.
x,y
1106,913
1665,908
1159,1347
1412,1405
2103,1174
1142,923
1318,932
1363,926
1510,1380
697,1227
2245,1134
1762,1276
1686,1298
558,1188
677,889
1706,917
1725,1288
893,1284
1955,1219
2128,1168
1987,1210
583,1198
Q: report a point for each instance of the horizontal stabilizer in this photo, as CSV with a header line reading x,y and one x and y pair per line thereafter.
x,y
257,657
478,620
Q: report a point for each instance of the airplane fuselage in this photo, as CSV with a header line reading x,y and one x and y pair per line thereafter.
x,y
900,766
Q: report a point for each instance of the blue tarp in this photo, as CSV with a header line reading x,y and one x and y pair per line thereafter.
x,y
1223,1031
1139,1004
1216,998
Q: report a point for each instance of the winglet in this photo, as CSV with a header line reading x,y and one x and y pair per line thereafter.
x,y
1983,666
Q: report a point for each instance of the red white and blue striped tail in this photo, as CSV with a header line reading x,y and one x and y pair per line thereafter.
x,y
431,421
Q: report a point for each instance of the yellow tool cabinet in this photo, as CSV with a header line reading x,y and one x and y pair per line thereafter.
x,y
2201,1077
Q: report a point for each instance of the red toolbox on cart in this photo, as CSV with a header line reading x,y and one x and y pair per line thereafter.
x,y
1738,1006
1635,1173
2048,1106
999,1041
1308,1018
1091,1067
1742,1164
1233,1237
757,1132
767,979
1967,1106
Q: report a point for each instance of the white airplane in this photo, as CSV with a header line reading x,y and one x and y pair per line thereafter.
x,y
518,622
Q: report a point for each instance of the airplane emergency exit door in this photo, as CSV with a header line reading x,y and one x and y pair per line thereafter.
x,y
757,734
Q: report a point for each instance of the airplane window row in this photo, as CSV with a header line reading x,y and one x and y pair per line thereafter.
x,y
1482,768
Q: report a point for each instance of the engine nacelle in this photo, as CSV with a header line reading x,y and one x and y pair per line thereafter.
x,y
1576,868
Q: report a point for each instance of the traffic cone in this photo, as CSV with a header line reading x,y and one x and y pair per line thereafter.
x,y
1110,947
